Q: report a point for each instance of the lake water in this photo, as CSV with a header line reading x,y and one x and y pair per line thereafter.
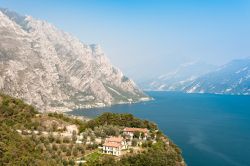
x,y
211,130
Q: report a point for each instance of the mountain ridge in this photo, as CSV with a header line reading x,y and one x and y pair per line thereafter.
x,y
231,78
55,71
176,79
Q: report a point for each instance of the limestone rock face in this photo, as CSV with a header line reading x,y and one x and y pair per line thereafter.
x,y
55,71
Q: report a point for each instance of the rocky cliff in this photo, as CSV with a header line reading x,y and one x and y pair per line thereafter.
x,y
55,71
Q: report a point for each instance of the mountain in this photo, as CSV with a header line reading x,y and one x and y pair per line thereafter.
x,y
231,78
178,79
55,71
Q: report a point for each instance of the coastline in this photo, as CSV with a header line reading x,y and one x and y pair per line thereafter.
x,y
97,105
67,112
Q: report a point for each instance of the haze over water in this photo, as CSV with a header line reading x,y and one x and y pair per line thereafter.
x,y
210,129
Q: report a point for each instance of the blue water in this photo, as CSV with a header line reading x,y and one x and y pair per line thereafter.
x,y
211,130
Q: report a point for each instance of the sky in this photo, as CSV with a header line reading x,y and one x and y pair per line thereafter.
x,y
147,38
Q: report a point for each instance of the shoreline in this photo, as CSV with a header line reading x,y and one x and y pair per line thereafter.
x,y
102,105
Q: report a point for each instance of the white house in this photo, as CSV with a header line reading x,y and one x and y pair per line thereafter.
x,y
130,132
118,140
114,145
112,148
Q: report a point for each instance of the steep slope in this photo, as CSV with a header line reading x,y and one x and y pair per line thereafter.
x,y
232,78
54,71
178,79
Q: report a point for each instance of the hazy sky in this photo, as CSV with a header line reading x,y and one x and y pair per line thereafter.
x,y
148,38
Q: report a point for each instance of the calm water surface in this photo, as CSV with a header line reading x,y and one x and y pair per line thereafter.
x,y
211,130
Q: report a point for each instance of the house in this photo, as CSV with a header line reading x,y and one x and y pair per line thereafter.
x,y
119,140
130,132
112,148
114,145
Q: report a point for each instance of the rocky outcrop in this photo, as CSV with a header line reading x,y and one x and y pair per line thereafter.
x,y
55,71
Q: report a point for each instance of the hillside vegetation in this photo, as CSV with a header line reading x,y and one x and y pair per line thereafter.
x,y
30,138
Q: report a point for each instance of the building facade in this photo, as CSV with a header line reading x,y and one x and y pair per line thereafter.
x,y
112,148
114,145
131,131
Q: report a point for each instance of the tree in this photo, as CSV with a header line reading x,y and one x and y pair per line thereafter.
x,y
63,148
66,140
54,126
134,142
81,149
65,162
42,139
40,147
68,152
71,162
74,138
142,135
58,140
137,134
75,152
123,120
54,147
51,138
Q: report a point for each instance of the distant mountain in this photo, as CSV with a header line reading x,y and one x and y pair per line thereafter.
x,y
55,71
178,79
232,78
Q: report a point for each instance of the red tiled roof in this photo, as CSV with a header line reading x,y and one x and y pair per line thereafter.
x,y
112,144
128,129
114,139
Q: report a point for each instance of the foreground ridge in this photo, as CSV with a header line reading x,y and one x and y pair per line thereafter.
x,y
56,139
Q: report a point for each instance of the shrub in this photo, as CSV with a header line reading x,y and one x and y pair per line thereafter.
x,y
54,147
137,134
66,140
68,152
134,142
91,147
81,149
74,138
54,126
75,152
51,138
58,140
71,162
63,148
42,139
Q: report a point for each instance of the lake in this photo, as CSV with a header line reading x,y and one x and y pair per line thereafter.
x,y
211,130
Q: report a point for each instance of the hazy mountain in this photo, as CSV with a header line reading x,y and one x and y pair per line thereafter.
x,y
232,78
178,79
55,71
